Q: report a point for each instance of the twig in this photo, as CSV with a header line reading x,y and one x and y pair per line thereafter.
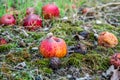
x,y
106,5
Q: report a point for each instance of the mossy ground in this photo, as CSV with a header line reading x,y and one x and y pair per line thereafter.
x,y
95,60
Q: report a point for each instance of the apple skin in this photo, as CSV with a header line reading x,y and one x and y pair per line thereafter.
x,y
30,10
50,11
53,47
2,41
115,60
7,19
32,22
107,39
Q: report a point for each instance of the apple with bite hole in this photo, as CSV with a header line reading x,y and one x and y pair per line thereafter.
x,y
53,47
32,22
50,11
7,19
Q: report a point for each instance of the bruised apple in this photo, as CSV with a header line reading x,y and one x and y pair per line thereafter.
x,y
7,19
50,11
32,22
53,47
107,39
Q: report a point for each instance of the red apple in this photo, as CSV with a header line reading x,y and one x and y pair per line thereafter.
x,y
30,10
7,19
53,47
115,60
32,22
74,6
2,41
50,11
85,10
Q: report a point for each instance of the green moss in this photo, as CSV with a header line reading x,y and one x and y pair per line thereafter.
x,y
7,47
47,70
17,57
65,27
105,27
40,63
91,61
23,75
71,61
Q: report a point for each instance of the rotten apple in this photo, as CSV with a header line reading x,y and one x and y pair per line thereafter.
x,y
7,19
107,39
115,60
32,22
53,47
50,11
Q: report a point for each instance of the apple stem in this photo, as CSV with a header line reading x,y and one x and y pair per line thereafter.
x,y
49,35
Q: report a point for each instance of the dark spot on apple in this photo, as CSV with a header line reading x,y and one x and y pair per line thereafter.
x,y
57,39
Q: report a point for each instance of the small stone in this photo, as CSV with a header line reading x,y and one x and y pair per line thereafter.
x,y
69,76
98,22
35,48
65,18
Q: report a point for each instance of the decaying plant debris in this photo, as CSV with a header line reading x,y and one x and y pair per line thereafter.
x,y
20,58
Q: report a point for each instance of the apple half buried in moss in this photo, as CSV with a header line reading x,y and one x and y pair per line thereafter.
x,y
53,47
50,11
107,39
7,19
32,22
2,41
115,60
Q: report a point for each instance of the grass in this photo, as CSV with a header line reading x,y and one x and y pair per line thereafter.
x,y
21,5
